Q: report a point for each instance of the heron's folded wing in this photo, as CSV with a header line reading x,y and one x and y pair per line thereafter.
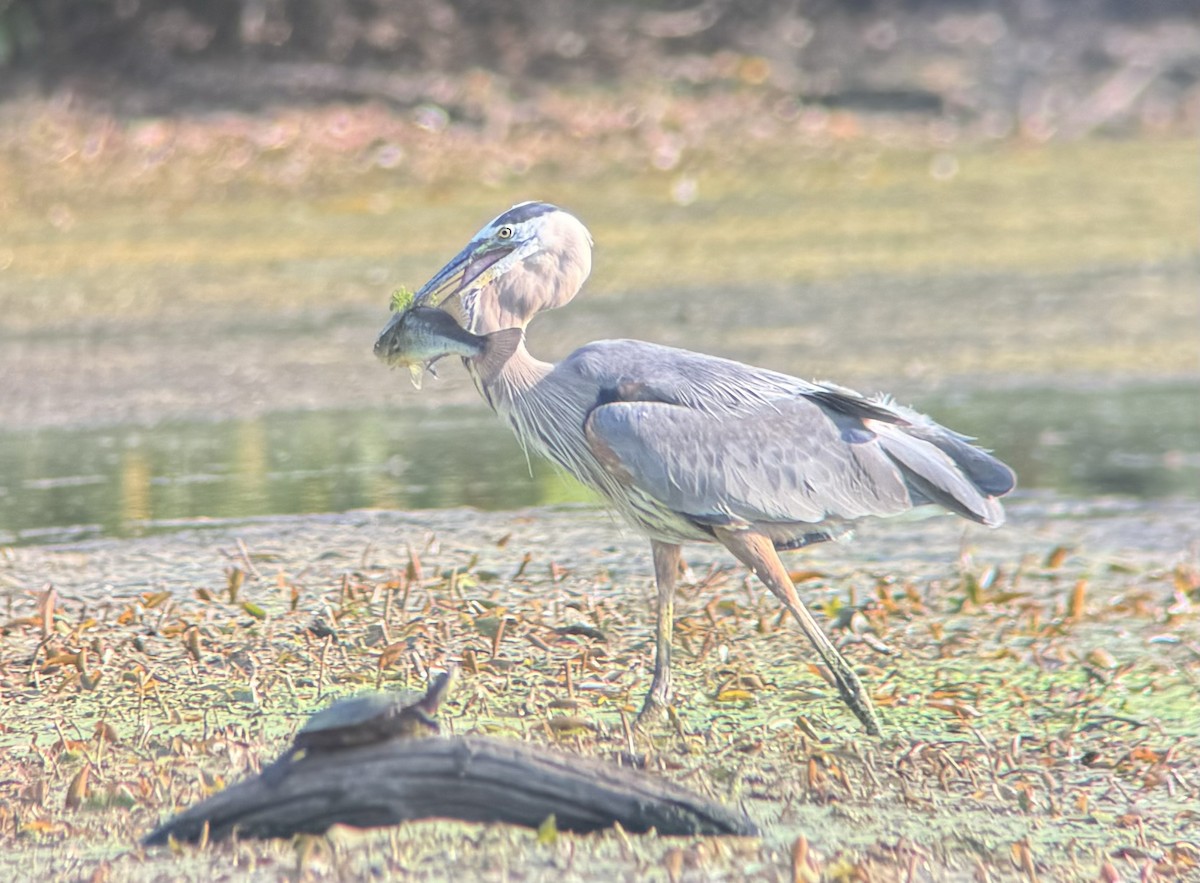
x,y
788,461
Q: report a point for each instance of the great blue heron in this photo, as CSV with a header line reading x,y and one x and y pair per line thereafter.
x,y
690,447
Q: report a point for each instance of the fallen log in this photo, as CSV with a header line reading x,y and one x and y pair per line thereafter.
x,y
471,778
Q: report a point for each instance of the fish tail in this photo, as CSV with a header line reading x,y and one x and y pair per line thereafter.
x,y
498,348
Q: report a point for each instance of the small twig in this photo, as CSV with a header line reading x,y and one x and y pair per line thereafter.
x,y
245,553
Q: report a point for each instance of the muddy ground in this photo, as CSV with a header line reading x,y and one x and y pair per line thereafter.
x,y
1038,686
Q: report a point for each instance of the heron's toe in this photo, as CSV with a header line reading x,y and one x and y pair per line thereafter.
x,y
657,710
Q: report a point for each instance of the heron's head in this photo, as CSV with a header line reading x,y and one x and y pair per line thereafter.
x,y
533,257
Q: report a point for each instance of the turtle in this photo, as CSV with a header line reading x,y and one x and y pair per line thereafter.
x,y
364,720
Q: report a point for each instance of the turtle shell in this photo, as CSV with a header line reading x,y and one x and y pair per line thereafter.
x,y
361,720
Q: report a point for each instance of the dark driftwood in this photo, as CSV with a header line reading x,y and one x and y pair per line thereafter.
x,y
471,778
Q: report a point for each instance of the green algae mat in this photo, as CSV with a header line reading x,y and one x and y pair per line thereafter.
x,y
1038,687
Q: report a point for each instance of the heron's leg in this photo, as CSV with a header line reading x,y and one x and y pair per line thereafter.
x,y
666,570
758,553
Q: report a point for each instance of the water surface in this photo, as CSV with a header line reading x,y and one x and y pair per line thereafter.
x,y
57,484
169,359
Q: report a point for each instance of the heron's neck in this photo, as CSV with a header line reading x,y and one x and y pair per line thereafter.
x,y
520,374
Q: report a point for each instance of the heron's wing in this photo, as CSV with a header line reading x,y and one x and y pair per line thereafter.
x,y
716,439
634,370
789,462
987,473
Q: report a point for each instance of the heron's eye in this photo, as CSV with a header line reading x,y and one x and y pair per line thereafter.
x,y
504,232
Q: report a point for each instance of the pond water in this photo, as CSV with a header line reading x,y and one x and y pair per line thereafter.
x,y
62,484
165,360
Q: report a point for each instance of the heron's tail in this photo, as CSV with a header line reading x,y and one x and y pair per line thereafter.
x,y
943,467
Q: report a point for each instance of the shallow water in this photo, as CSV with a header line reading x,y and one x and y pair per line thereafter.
x,y
209,358
60,484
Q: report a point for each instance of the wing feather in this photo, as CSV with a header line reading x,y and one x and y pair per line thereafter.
x,y
723,442
784,463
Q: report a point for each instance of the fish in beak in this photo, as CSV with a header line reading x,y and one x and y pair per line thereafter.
x,y
419,336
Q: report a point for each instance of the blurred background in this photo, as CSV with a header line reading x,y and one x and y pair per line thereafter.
x,y
987,208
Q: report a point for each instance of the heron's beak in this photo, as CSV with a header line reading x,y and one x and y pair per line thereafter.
x,y
472,268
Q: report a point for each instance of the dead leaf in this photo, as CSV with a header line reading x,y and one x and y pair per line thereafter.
x,y
47,602
735,695
1101,658
565,725
1075,604
78,790
154,599
547,834
1057,556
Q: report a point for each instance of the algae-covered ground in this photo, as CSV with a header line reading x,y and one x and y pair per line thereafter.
x,y
1038,684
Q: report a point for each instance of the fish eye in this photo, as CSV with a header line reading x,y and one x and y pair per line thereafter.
x,y
505,232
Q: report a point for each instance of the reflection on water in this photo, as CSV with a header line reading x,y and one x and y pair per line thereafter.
x,y
1140,441
119,481
123,480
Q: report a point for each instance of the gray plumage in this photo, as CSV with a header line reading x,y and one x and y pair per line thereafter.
x,y
691,447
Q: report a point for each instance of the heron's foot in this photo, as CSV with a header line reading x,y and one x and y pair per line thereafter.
x,y
653,713
656,706
855,696
865,712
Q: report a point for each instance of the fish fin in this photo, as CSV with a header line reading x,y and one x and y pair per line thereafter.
x,y
498,349
416,372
